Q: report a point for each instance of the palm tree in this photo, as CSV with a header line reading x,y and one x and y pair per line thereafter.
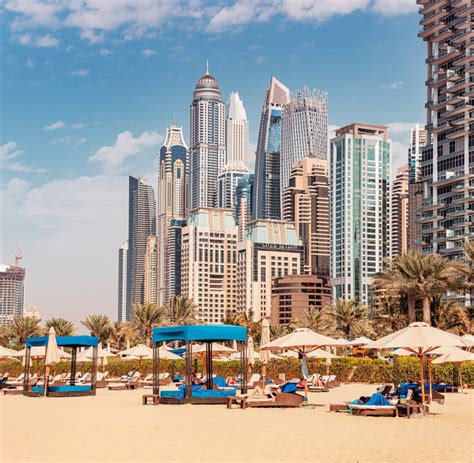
x,y
348,317
24,327
145,317
181,311
61,326
231,319
314,318
422,276
397,281
276,331
450,316
390,313
98,325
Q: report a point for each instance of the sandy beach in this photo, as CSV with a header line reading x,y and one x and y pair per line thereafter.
x,y
114,426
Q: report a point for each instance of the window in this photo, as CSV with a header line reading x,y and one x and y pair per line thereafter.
x,y
452,146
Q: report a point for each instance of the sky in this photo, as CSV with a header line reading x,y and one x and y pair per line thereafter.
x,y
88,88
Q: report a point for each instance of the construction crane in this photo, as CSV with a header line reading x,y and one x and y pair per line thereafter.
x,y
17,252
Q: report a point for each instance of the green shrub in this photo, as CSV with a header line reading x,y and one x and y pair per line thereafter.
x,y
347,369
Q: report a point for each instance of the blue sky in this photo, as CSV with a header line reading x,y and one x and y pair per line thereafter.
x,y
89,86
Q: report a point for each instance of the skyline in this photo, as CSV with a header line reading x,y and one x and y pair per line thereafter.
x,y
71,215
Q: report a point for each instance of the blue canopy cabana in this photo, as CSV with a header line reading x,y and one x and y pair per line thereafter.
x,y
73,343
199,333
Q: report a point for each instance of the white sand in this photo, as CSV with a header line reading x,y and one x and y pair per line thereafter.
x,y
114,426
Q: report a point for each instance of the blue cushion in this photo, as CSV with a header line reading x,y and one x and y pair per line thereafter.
x,y
377,399
63,388
289,388
219,381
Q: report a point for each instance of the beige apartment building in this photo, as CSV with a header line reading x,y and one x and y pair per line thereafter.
x,y
151,270
209,263
270,249
399,213
306,203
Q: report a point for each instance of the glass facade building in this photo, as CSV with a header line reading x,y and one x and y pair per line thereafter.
x,y
359,166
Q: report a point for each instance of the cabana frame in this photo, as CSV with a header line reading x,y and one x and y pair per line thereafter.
x,y
72,342
198,333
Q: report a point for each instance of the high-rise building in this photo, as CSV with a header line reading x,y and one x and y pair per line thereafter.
x,y
243,203
12,292
122,282
141,225
306,203
270,249
174,258
266,200
227,183
304,131
173,184
237,132
359,170
399,213
151,270
415,186
293,296
207,150
447,165
209,263
417,142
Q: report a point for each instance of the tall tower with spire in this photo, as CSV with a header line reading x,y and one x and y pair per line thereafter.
x,y
266,198
207,144
173,183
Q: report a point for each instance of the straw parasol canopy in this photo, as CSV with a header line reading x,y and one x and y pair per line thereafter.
x,y
166,354
39,352
102,354
138,352
421,339
303,341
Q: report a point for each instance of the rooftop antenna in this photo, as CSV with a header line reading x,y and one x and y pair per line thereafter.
x,y
18,257
174,118
207,66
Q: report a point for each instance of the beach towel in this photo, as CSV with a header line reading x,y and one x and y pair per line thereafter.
x,y
377,399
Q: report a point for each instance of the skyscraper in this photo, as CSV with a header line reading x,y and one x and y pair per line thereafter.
x,y
141,224
306,203
173,268
415,186
266,200
447,165
12,292
304,130
237,132
227,183
173,183
243,203
270,249
359,169
207,151
208,263
122,282
399,213
151,270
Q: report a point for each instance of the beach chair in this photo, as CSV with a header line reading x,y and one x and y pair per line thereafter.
x,y
18,381
133,383
86,378
287,398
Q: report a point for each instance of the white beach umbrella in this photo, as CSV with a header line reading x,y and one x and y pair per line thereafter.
x,y
455,355
250,354
40,351
217,350
421,339
138,351
5,352
302,341
362,341
264,354
168,355
52,356
322,354
344,342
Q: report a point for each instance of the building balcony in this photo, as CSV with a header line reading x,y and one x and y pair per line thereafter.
x,y
462,36
463,61
459,132
458,85
451,177
466,11
435,15
428,31
451,53
432,5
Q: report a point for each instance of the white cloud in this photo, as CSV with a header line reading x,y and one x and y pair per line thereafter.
x,y
80,72
77,125
401,128
55,125
30,63
105,52
8,159
125,146
46,41
131,19
392,85
147,53
81,220
394,7
68,140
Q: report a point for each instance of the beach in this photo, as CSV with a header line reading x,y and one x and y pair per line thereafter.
x,y
114,426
